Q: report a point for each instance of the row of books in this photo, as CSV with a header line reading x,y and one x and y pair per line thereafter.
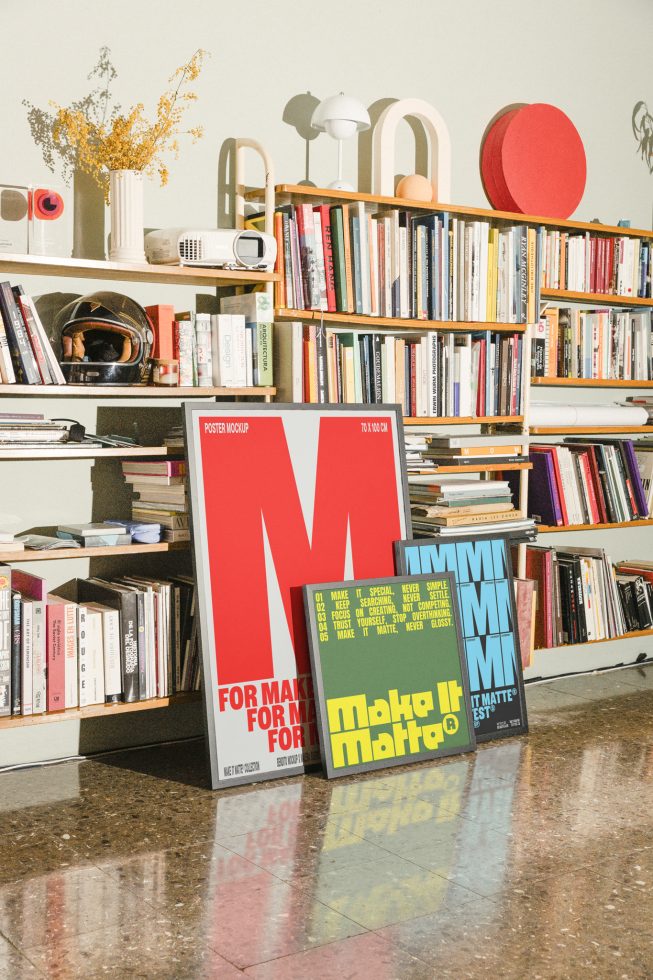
x,y
581,482
582,597
434,375
26,354
589,263
568,342
453,505
231,349
161,495
352,259
126,640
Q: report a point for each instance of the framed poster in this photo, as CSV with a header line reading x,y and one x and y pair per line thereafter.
x,y
281,496
483,570
389,672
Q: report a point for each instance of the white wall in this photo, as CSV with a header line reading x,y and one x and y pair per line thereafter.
x,y
468,57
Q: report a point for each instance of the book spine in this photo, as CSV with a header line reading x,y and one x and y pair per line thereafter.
x,y
321,364
19,345
5,640
203,348
111,645
162,318
71,667
184,351
338,254
16,636
26,657
39,634
84,660
329,267
279,264
56,657
289,288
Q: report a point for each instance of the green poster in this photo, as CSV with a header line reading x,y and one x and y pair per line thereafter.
x,y
389,672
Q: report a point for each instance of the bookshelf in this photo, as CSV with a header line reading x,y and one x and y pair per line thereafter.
x,y
130,391
551,529
359,321
61,554
15,268
96,711
559,660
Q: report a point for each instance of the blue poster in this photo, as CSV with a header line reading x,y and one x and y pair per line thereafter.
x,y
486,598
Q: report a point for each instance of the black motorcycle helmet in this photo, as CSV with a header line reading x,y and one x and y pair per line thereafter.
x,y
106,339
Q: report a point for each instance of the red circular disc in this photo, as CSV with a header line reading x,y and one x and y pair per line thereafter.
x,y
542,161
489,154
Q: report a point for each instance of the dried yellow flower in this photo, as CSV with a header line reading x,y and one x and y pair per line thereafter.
x,y
131,141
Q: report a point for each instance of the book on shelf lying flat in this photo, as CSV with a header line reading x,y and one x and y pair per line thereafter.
x,y
436,374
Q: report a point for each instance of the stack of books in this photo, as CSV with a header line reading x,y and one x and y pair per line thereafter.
x,y
395,263
582,482
162,496
473,450
581,597
586,263
97,534
26,354
29,430
600,344
126,640
645,402
438,374
454,506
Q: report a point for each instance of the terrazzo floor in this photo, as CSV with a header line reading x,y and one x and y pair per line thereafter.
x,y
532,858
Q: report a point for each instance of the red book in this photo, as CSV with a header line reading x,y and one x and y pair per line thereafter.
x,y
327,248
589,482
163,325
55,656
413,380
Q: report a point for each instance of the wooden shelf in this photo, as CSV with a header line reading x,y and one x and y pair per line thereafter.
x,y
72,451
551,529
40,265
129,391
610,639
97,711
578,430
466,420
589,383
301,194
16,557
482,468
358,321
605,299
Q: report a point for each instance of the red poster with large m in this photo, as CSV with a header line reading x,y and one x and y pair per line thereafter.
x,y
281,496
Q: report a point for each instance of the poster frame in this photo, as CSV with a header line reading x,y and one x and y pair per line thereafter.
x,y
401,567
320,701
193,410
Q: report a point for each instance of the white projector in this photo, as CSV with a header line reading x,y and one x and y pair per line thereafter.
x,y
214,248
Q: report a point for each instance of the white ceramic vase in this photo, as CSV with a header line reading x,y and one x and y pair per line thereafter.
x,y
126,200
